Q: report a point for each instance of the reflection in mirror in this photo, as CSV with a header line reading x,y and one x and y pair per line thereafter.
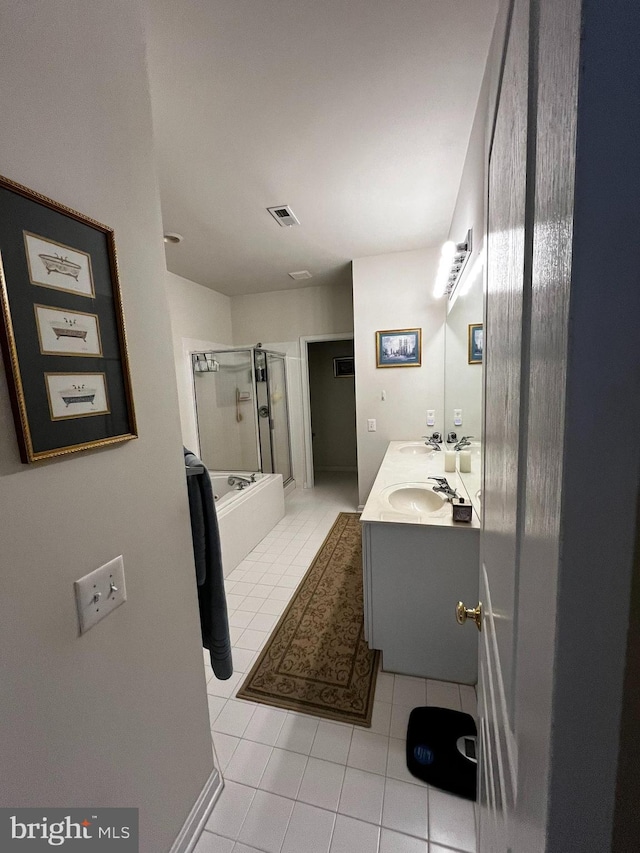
x,y
464,346
463,358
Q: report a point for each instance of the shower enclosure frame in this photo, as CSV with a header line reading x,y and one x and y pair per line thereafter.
x,y
252,351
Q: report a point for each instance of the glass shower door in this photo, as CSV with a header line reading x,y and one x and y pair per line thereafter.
x,y
226,411
264,414
278,415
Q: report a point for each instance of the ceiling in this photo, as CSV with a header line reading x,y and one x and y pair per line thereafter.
x,y
356,113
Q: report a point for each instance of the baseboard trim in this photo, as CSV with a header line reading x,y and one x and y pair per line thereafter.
x,y
360,507
199,814
290,487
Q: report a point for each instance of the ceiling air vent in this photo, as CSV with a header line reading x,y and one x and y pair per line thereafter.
x,y
300,275
283,215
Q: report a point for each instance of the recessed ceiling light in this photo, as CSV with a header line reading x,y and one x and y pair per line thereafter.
x,y
301,274
172,237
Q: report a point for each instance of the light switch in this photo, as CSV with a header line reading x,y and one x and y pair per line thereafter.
x,y
99,593
371,425
431,417
457,417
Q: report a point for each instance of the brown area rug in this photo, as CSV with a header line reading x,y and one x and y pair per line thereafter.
x,y
316,660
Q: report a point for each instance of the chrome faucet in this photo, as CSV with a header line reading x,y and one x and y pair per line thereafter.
x,y
431,442
444,488
464,442
241,482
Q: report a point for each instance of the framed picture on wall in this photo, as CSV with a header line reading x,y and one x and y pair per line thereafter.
x,y
62,329
343,366
476,343
399,348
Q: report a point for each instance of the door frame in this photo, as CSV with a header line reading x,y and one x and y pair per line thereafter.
x,y
305,340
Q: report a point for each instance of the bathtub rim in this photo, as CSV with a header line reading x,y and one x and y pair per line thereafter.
x,y
239,496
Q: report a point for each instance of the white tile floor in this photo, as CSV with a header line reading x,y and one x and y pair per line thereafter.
x,y
298,784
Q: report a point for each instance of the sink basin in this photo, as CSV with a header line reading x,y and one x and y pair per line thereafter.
x,y
414,498
414,448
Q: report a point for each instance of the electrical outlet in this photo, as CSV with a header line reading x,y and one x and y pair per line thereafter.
x,y
371,425
431,417
99,593
457,417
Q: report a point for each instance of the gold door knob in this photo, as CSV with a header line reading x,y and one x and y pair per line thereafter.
x,y
463,613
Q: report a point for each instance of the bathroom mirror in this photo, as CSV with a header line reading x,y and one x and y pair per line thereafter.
x,y
464,351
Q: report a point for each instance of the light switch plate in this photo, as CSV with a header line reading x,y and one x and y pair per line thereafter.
x,y
99,593
431,417
371,425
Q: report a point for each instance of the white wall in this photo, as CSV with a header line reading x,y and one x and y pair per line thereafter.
x,y
469,211
200,320
119,715
394,292
286,315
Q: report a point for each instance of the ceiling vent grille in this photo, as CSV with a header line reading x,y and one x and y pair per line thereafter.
x,y
300,275
283,215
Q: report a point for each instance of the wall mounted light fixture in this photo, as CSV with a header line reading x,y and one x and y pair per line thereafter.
x,y
474,272
453,260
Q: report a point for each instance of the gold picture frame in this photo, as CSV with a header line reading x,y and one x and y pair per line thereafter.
x,y
58,264
476,343
399,348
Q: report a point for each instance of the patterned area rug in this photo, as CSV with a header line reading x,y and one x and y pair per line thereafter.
x,y
317,660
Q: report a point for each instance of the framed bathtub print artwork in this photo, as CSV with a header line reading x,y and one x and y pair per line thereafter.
x,y
67,332
62,328
399,348
58,266
76,395
476,343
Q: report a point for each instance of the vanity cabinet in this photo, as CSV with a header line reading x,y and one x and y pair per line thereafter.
x,y
417,565
414,575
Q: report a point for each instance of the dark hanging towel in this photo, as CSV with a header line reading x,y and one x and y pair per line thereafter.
x,y
206,550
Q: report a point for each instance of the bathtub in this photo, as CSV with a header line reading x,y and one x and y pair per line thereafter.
x,y
245,516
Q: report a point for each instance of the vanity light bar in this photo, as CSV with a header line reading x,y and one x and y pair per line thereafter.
x,y
474,272
453,259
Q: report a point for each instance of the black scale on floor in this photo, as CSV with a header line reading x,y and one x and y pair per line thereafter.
x,y
441,750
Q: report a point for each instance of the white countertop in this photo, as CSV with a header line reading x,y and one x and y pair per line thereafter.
x,y
399,467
